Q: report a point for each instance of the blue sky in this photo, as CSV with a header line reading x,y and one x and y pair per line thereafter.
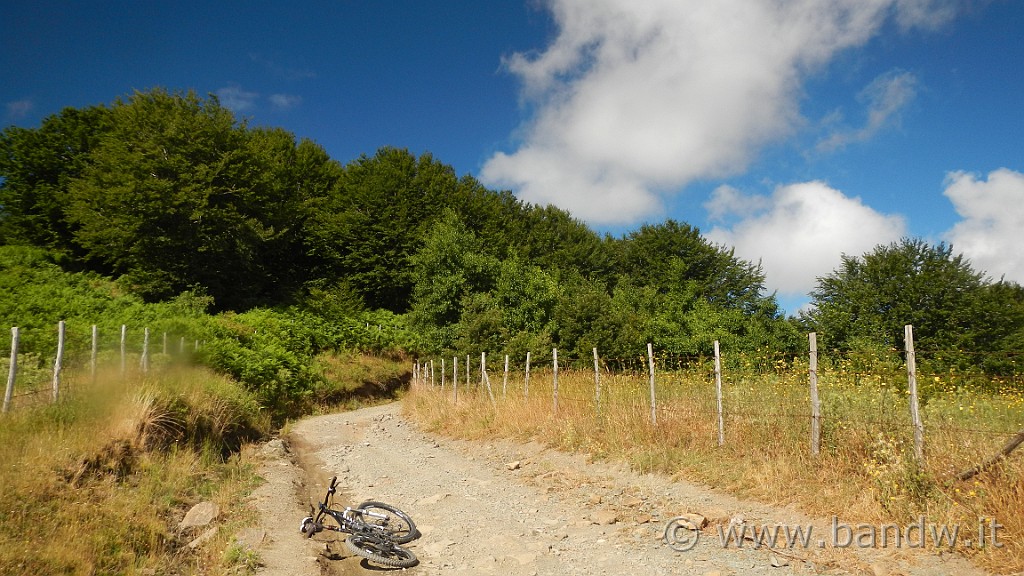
x,y
793,131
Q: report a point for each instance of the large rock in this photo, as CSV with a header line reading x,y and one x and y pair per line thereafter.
x,y
200,516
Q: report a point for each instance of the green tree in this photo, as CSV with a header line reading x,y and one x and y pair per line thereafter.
x,y
674,257
1000,316
178,195
587,316
36,166
288,183
446,270
378,218
154,204
550,238
868,300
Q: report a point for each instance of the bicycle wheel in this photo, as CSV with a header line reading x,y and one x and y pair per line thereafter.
x,y
397,523
386,555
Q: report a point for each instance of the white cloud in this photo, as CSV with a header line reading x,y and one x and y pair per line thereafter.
x,y
993,217
18,109
285,101
927,14
728,201
884,98
800,232
236,99
634,100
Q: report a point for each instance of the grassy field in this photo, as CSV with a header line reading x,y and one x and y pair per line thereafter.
x,y
866,470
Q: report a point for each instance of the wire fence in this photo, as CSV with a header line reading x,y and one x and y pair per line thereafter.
x,y
950,416
34,379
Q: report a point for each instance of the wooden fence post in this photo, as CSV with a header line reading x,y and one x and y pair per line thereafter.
x,y
144,361
94,352
554,356
718,394
483,376
504,380
526,378
124,350
650,370
12,373
431,372
915,413
815,402
468,366
443,369
455,379
58,362
597,384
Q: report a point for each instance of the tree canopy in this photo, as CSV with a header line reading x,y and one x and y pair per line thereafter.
x,y
169,192
953,308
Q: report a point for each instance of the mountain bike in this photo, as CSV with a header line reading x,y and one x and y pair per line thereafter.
x,y
375,529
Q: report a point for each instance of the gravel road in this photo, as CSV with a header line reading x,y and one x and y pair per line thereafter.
x,y
505,508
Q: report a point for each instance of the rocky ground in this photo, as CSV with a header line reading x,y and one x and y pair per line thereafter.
x,y
522,509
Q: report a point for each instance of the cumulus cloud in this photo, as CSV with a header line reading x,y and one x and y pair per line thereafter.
x,y
993,217
634,100
236,99
18,109
799,232
884,99
285,101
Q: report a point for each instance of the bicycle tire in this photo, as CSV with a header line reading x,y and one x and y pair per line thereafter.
x,y
393,555
401,527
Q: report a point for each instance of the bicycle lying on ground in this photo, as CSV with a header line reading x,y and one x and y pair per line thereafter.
x,y
375,529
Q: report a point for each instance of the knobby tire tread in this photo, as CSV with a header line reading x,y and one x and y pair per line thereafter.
x,y
395,557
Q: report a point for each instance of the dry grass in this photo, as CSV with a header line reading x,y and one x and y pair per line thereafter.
x,y
865,472
352,379
95,483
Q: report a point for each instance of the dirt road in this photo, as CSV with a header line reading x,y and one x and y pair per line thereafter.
x,y
521,509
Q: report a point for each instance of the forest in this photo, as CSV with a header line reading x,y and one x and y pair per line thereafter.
x,y
173,197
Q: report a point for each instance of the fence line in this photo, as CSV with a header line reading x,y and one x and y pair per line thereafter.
x,y
723,400
57,373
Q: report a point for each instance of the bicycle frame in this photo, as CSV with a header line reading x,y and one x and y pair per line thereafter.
x,y
349,520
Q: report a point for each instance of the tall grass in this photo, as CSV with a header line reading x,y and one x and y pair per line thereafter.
x,y
95,483
865,472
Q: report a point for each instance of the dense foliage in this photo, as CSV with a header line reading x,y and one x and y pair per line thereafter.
x,y
956,311
272,352
171,195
